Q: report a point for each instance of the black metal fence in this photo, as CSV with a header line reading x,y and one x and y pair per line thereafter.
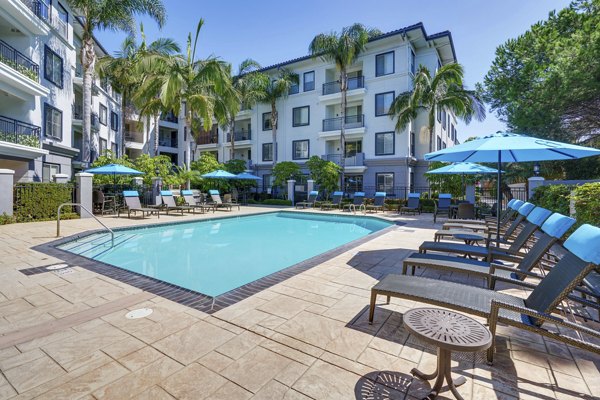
x,y
18,61
335,124
335,87
19,132
116,192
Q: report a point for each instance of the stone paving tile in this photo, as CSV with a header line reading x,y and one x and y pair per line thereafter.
x,y
35,372
328,382
193,382
154,393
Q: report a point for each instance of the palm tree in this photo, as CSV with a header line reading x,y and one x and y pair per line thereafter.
x,y
270,91
196,84
247,86
119,69
113,15
342,48
445,90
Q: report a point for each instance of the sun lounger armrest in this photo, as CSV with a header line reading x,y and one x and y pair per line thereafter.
x,y
494,253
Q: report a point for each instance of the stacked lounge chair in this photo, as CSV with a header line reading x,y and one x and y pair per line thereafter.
x,y
218,203
132,204
413,204
336,201
357,202
442,205
170,205
190,201
378,202
310,201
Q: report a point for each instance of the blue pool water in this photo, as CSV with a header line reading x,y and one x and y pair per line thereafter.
x,y
216,256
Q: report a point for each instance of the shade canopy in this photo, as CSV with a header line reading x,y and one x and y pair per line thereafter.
x,y
219,174
463,168
114,169
248,176
511,147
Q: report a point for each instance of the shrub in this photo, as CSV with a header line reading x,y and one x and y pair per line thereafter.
x,y
40,201
6,219
277,202
587,204
555,198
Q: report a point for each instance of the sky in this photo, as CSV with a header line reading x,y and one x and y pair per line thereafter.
x,y
271,31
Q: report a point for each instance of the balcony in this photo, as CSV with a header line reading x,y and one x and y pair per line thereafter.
x,y
167,141
334,87
95,122
355,163
169,117
17,61
352,122
77,114
29,16
207,138
239,136
132,136
20,139
19,75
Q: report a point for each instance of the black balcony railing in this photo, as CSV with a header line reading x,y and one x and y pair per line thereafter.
x,y
17,61
353,83
352,121
355,160
238,136
170,117
207,138
131,136
19,132
39,8
167,141
77,111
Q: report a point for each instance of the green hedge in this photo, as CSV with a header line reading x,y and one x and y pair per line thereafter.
x,y
40,201
557,198
553,197
277,202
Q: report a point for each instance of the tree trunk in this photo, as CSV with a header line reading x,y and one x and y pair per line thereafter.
x,y
121,143
88,61
274,118
430,139
343,90
232,138
156,143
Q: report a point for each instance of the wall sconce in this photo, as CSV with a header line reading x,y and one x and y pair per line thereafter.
x,y
536,169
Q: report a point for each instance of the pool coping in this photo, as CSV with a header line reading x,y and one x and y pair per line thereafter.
x,y
188,297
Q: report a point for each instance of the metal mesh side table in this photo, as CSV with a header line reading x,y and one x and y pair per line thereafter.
x,y
449,331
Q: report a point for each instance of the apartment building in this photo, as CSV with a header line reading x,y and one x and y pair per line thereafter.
x,y
377,158
41,92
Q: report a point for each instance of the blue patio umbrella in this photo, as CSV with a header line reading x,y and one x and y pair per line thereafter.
x,y
510,147
114,170
463,168
219,174
248,176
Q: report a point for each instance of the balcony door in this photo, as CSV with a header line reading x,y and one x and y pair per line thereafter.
x,y
353,147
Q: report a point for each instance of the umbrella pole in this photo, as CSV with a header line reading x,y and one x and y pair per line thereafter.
x,y
499,199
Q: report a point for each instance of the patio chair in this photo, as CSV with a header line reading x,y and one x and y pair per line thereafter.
x,y
357,201
101,204
534,220
531,313
190,201
336,201
310,201
378,202
169,203
510,212
413,204
442,205
132,204
551,232
218,203
466,211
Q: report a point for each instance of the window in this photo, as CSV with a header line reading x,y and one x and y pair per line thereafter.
x,y
267,152
53,122
384,143
266,121
383,101
63,15
439,65
48,171
412,181
53,67
309,81
353,183
443,119
114,121
384,64
353,147
413,65
412,144
439,113
103,114
301,116
300,150
267,183
294,89
439,143
443,145
384,182
103,146
452,131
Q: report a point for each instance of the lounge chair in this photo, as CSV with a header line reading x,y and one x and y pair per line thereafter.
x,y
310,201
413,204
132,204
336,201
218,203
358,201
581,257
442,205
190,201
552,230
170,205
507,215
535,219
378,202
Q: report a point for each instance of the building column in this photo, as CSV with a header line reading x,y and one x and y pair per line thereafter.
x,y
7,177
534,182
137,181
310,185
291,190
84,193
60,178
156,188
470,194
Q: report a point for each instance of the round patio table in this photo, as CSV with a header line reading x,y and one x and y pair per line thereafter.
x,y
449,331
469,238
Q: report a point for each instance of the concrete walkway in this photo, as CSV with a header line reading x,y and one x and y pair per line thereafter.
x,y
65,335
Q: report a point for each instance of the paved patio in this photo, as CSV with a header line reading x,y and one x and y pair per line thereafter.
x,y
65,335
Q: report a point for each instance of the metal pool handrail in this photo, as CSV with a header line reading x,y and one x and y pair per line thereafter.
x,y
112,233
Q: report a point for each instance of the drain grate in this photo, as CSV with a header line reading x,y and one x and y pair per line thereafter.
x,y
139,313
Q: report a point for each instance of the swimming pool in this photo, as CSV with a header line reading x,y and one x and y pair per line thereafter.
x,y
215,256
